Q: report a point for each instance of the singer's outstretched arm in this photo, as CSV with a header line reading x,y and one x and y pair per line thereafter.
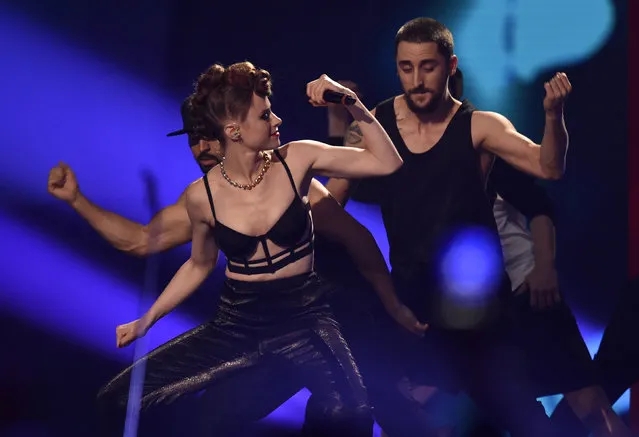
x,y
188,278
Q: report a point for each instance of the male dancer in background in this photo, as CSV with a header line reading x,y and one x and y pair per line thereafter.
x,y
346,254
556,350
448,149
557,353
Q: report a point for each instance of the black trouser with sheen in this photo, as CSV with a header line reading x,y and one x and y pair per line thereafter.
x,y
485,362
266,342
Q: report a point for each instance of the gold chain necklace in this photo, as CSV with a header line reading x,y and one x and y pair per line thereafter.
x,y
258,179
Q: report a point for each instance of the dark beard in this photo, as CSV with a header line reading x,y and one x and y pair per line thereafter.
x,y
205,168
428,109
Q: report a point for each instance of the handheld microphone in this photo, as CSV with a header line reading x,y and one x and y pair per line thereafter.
x,y
339,98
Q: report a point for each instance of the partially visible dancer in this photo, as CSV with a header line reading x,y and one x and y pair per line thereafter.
x,y
558,354
616,361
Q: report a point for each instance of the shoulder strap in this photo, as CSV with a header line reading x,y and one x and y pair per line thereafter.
x,y
288,170
208,192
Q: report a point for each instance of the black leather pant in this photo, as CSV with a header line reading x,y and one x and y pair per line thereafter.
x,y
486,362
267,341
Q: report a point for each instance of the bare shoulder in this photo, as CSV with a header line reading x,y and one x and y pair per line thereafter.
x,y
300,148
489,119
195,197
487,124
301,144
193,187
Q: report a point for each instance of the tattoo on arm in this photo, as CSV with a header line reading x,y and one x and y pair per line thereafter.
x,y
353,134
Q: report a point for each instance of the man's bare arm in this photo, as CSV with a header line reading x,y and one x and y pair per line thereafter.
x,y
543,281
169,228
542,231
336,224
496,134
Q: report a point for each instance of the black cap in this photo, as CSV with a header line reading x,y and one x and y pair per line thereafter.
x,y
188,124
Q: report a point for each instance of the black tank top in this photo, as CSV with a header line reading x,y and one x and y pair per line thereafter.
x,y
431,196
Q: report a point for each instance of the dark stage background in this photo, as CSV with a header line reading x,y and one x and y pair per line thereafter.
x,y
98,84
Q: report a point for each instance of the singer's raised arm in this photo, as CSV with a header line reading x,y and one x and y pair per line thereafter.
x,y
378,159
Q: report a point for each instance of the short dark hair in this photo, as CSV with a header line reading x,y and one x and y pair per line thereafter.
x,y
424,29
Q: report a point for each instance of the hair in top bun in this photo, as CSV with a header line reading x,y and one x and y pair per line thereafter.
x,y
223,93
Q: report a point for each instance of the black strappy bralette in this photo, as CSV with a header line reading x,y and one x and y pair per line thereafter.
x,y
293,231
